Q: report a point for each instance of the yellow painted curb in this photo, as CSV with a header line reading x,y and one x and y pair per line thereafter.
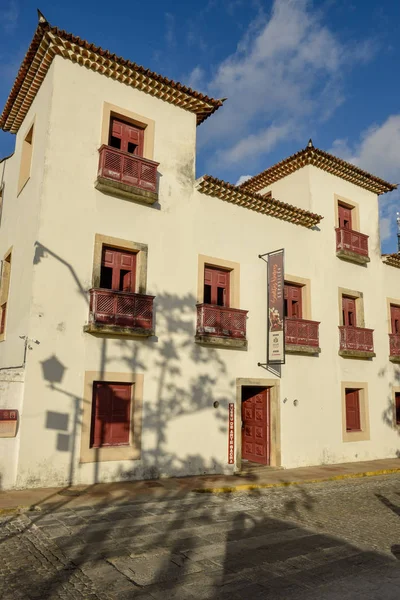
x,y
14,509
260,486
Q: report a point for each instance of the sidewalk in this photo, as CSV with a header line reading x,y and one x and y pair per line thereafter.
x,y
124,492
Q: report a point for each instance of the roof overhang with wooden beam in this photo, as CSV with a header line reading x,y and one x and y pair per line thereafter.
x,y
49,42
393,260
322,160
266,205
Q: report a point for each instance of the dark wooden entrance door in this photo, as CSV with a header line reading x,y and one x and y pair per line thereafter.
x,y
256,425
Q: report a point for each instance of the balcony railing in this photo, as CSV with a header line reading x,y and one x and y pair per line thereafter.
x,y
301,332
354,241
126,168
394,341
221,321
123,309
356,339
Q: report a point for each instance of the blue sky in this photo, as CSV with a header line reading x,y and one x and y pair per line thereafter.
x,y
291,69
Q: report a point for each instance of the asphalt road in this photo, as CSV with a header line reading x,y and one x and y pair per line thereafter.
x,y
331,541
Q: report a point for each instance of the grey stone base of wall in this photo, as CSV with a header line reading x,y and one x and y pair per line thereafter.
x,y
221,342
353,257
128,192
298,349
356,354
100,329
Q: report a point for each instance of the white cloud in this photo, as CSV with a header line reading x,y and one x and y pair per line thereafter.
x,y
242,179
262,141
378,151
287,68
195,79
170,29
9,16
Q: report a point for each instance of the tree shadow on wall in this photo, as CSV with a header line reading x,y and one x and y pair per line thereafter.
x,y
177,396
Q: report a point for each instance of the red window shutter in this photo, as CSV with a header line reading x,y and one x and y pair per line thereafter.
x,y
293,301
395,318
3,317
349,311
397,401
131,137
345,217
218,282
118,270
353,410
110,414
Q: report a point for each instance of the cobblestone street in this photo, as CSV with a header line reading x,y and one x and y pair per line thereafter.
x,y
320,541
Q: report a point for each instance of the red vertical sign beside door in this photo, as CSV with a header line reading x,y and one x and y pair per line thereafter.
x,y
231,435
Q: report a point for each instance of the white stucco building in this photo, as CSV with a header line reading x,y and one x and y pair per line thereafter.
x,y
134,302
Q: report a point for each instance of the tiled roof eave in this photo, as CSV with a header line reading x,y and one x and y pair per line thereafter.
x,y
322,160
393,260
50,41
269,206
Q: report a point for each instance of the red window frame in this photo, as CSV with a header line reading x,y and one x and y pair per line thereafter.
x,y
395,318
349,313
118,269
3,309
353,415
216,286
126,137
111,414
345,216
397,407
293,301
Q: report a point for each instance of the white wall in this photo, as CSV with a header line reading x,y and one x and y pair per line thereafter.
x,y
19,226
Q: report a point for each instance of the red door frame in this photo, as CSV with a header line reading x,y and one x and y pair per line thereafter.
x,y
252,399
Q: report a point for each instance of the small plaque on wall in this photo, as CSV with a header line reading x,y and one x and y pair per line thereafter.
x,y
8,422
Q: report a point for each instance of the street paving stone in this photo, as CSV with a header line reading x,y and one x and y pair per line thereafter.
x,y
326,541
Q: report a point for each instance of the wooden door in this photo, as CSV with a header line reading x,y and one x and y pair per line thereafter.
x,y
292,299
395,318
110,414
256,425
353,421
349,311
216,286
118,270
345,220
126,137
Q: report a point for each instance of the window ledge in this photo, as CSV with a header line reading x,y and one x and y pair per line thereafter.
x,y
101,329
394,359
351,256
222,342
122,190
356,354
299,349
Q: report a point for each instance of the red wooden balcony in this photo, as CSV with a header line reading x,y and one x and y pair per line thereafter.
x,y
122,309
356,340
394,342
220,321
301,332
127,169
349,241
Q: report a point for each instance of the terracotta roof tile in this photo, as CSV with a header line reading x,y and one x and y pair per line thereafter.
x,y
323,160
266,205
50,41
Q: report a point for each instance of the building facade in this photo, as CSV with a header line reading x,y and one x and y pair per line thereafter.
x,y
134,302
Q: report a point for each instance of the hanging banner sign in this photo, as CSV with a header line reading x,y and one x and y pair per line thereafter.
x,y
231,435
276,321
